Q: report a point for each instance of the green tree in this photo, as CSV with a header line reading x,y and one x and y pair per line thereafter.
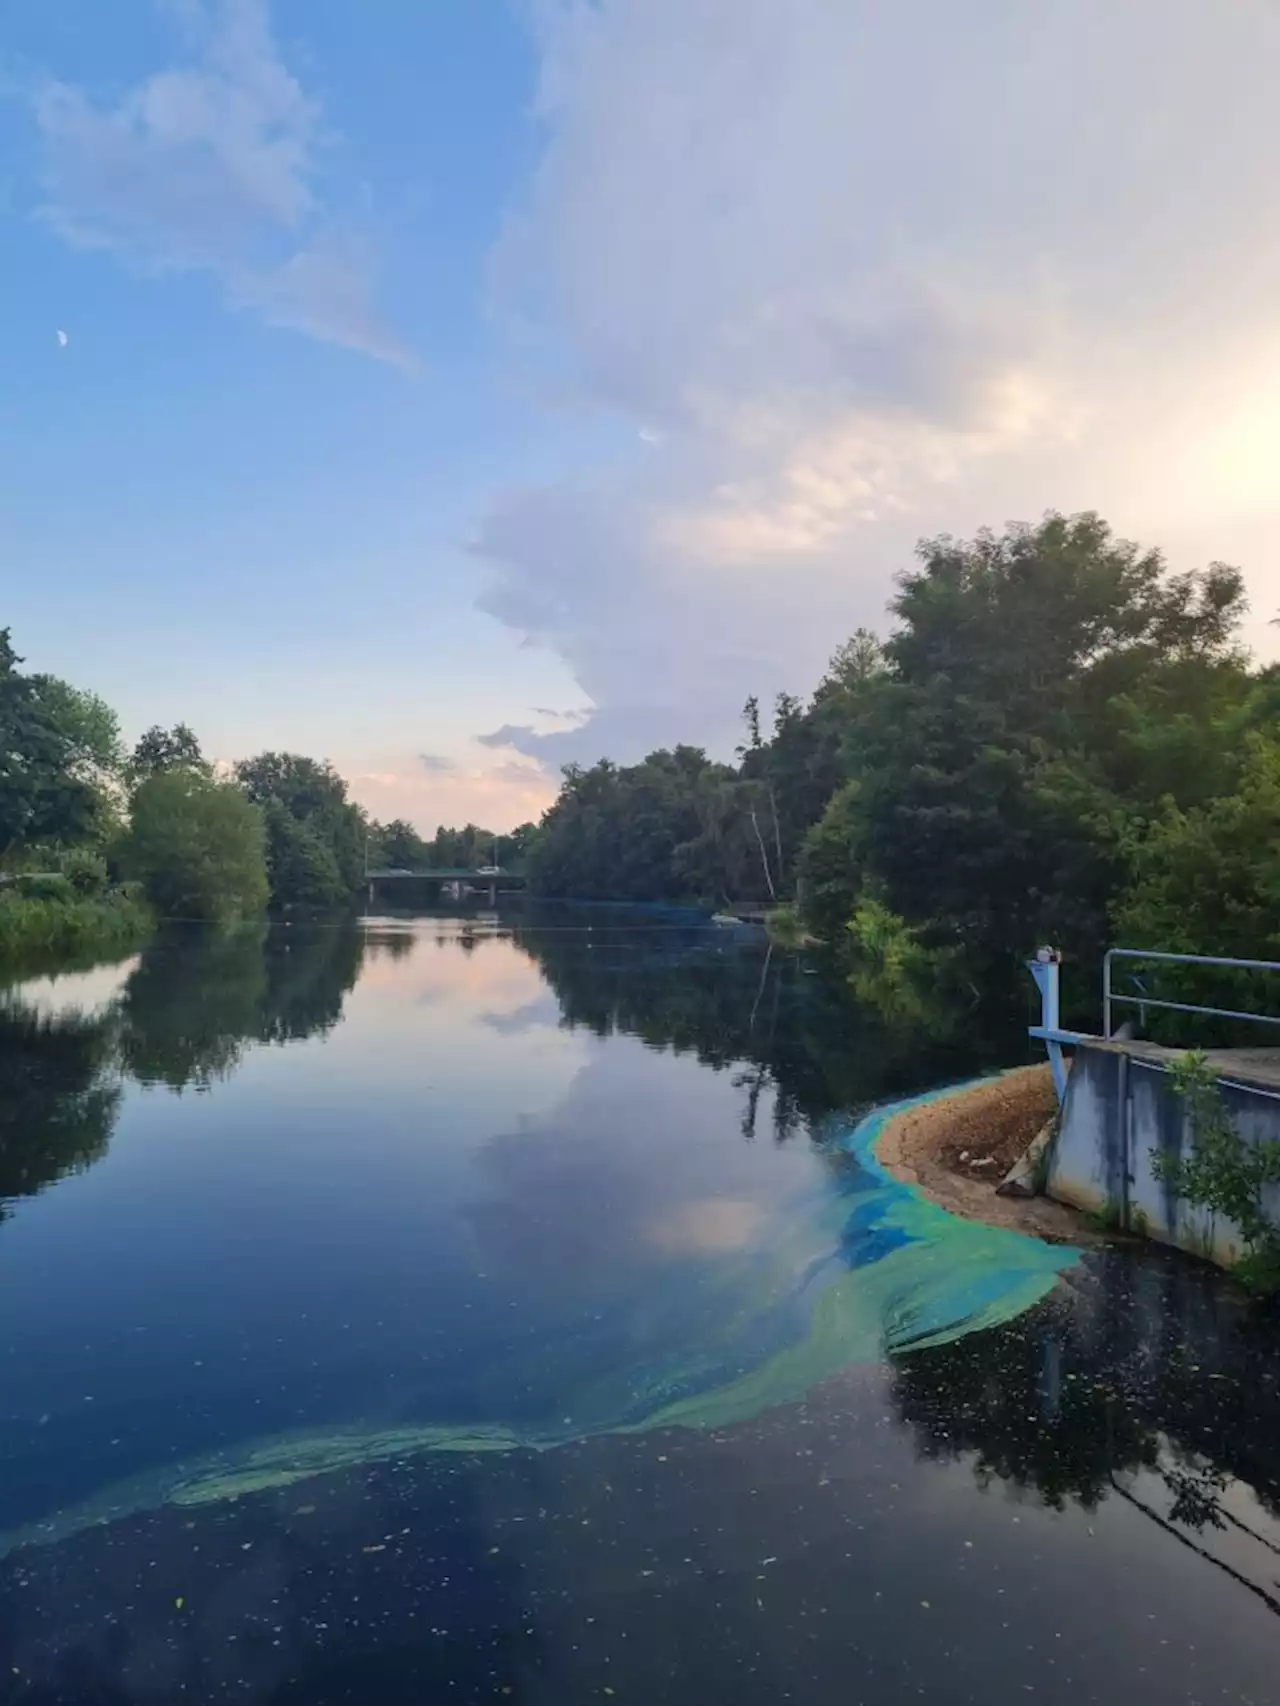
x,y
832,865
315,796
642,832
517,847
301,867
45,794
197,846
1207,878
397,846
162,749
94,751
1010,653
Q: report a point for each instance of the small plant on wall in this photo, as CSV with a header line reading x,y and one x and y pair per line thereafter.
x,y
1223,1173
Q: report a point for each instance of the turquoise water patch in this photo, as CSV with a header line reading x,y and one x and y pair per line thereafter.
x,y
735,1305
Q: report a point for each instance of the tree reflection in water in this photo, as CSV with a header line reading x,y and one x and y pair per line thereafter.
x,y
1143,1378
198,999
186,1014
58,1097
783,1021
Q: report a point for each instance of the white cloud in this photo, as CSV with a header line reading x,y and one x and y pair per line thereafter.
x,y
859,273
215,165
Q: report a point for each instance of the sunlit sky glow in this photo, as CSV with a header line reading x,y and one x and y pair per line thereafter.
x,y
454,390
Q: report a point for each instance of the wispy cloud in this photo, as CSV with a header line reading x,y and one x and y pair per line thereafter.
x,y
508,735
436,765
861,274
214,165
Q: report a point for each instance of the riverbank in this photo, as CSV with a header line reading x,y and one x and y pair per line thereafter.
x,y
957,1147
75,924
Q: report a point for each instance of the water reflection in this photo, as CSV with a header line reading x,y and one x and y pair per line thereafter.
x,y
611,1256
58,1097
782,1021
493,1193
1143,1379
181,1014
197,1001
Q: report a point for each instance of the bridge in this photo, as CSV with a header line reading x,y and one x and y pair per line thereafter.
x,y
481,877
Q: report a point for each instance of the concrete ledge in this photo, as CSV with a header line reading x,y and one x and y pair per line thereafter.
x,y
1121,1112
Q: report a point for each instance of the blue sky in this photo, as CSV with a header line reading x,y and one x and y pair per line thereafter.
x,y
561,371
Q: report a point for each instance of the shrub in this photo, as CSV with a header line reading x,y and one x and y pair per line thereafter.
x,y
85,870
31,924
44,885
1224,1173
197,846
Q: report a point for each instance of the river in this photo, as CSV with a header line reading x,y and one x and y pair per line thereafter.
x,y
479,1309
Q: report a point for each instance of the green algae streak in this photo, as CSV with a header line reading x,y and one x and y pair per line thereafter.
x,y
919,1277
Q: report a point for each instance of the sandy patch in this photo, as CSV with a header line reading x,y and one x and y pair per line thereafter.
x,y
957,1148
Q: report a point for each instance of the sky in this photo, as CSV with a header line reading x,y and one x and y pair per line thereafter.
x,y
460,388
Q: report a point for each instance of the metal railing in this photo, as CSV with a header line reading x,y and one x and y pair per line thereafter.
x,y
1109,996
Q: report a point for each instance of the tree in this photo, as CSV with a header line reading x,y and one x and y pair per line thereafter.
x,y
301,867
1059,733
94,751
1207,879
1010,652
315,796
398,846
643,832
517,847
197,846
166,749
45,794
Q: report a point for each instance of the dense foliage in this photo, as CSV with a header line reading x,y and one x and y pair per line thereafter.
x,y
1059,740
315,835
53,743
196,846
397,846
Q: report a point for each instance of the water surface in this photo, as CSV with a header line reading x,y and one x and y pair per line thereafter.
x,y
513,1309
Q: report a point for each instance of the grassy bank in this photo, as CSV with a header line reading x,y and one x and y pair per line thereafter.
x,y
32,924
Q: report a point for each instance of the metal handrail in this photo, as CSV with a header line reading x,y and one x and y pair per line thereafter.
x,y
1109,997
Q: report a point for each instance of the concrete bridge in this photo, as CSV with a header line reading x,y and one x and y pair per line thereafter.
x,y
480,877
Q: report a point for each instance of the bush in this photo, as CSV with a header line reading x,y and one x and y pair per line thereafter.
x,y
44,885
85,870
1224,1173
198,847
785,928
69,924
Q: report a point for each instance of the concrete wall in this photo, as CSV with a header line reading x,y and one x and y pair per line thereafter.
x,y
1120,1111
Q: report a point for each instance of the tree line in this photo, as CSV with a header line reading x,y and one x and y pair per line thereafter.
x,y
1059,740
97,838
398,846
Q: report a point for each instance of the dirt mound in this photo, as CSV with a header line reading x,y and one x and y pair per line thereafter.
x,y
957,1148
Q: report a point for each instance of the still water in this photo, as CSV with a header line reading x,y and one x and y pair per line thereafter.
x,y
467,1309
